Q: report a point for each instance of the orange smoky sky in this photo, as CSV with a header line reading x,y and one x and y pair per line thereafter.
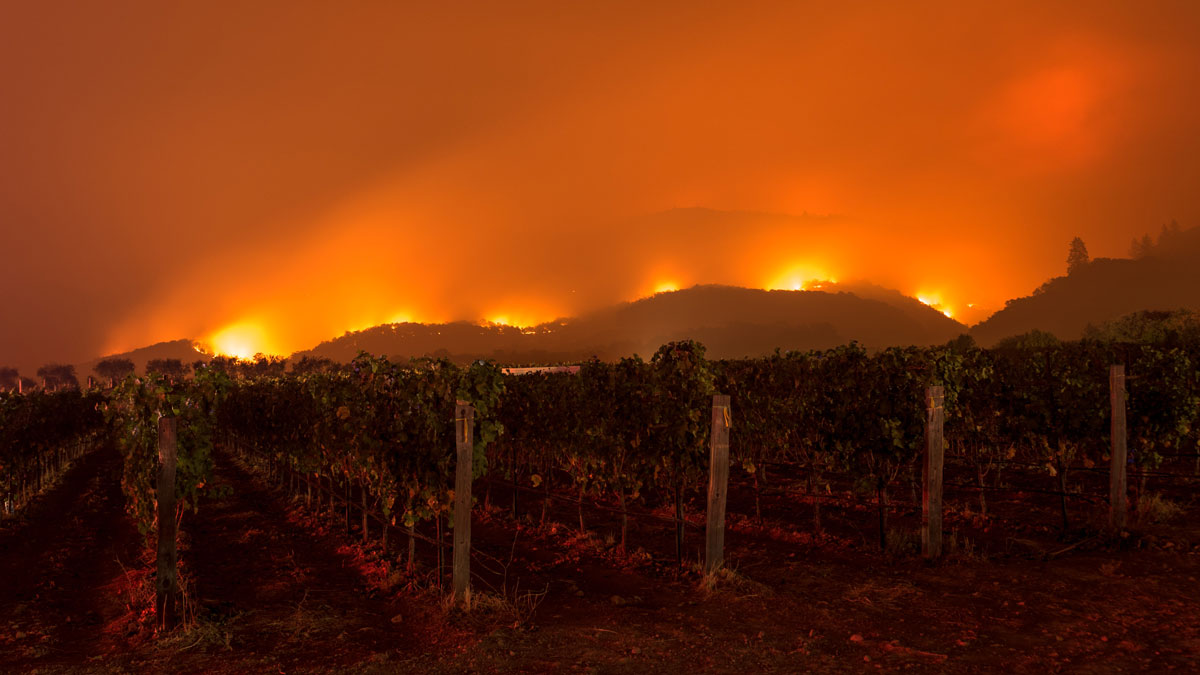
x,y
274,174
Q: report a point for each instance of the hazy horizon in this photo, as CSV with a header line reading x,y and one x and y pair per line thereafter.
x,y
283,176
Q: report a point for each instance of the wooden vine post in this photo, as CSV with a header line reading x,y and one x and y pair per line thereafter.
x,y
464,420
718,483
931,492
1117,480
166,583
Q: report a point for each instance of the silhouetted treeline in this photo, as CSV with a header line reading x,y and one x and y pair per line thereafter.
x,y
173,369
1165,277
58,375
114,369
1172,240
8,378
261,365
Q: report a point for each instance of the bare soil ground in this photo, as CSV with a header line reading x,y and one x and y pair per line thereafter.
x,y
67,565
276,588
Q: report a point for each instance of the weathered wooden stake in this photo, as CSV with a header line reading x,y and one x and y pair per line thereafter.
x,y
363,494
931,493
464,422
1117,483
718,483
412,548
166,584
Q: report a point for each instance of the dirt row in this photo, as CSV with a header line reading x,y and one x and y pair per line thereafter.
x,y
275,588
69,565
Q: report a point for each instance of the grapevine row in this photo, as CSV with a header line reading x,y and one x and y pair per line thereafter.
x,y
637,431
39,433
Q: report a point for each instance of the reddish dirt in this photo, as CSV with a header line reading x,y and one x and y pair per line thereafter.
x,y
68,564
833,603
294,598
281,591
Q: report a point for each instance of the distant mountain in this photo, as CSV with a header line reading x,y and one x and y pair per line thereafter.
x,y
184,350
1165,277
910,306
459,340
731,322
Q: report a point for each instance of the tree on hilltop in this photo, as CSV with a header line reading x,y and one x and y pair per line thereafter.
x,y
1078,257
8,378
1140,248
262,365
172,368
114,369
58,375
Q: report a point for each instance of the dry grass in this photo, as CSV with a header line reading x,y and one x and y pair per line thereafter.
x,y
902,543
881,593
206,635
962,548
1152,509
729,580
513,609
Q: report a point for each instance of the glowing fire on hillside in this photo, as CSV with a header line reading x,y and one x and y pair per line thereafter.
x,y
934,300
242,340
801,277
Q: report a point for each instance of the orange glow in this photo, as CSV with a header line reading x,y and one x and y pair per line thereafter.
x,y
242,340
1052,108
959,145
800,278
369,319
934,300
521,316
1064,112
402,317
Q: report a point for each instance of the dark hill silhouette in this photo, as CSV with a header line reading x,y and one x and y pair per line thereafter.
x,y
910,306
731,322
1167,277
460,340
184,350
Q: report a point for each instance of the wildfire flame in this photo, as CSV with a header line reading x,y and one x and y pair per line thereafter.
x,y
934,300
242,340
801,277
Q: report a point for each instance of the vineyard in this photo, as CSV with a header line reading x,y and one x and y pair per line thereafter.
x,y
651,465
40,434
